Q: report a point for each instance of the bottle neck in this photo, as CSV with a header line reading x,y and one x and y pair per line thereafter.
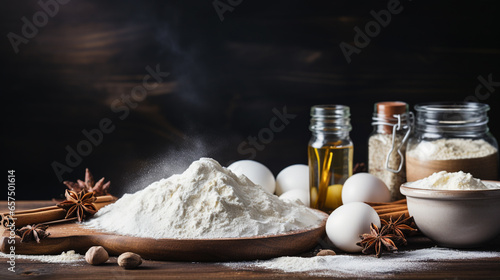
x,y
330,135
330,119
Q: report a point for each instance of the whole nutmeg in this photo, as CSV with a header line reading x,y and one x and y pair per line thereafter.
x,y
326,252
129,260
96,255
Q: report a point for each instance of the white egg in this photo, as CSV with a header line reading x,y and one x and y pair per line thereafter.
x,y
293,177
256,172
364,187
294,195
348,222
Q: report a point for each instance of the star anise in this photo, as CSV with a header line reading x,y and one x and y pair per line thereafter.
x,y
359,167
32,232
399,227
79,204
99,188
377,240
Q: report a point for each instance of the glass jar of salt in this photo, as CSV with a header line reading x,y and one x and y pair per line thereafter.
x,y
452,137
387,144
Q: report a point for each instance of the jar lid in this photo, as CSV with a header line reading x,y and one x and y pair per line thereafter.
x,y
387,114
461,119
391,108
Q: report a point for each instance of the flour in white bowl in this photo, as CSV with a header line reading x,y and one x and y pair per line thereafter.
x,y
451,181
206,201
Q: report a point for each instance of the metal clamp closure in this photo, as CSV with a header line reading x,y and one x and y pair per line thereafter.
x,y
396,127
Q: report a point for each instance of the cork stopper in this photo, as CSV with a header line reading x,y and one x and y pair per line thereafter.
x,y
390,108
386,110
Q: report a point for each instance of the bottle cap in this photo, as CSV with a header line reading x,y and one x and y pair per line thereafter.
x,y
390,108
385,111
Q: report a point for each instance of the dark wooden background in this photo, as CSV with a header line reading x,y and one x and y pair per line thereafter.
x,y
225,79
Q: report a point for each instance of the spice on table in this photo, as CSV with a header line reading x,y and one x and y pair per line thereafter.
x,y
388,237
96,255
80,204
46,215
390,210
129,260
359,167
326,252
99,188
399,227
33,232
377,240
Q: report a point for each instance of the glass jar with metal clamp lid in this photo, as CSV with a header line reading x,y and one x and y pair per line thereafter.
x,y
387,144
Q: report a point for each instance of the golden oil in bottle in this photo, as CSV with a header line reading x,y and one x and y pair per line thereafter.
x,y
330,155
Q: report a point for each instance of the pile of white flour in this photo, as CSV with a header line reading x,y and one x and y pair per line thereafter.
x,y
206,201
451,181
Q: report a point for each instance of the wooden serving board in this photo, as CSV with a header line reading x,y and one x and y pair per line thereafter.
x,y
73,236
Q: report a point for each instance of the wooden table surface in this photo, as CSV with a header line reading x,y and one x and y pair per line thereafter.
x,y
455,269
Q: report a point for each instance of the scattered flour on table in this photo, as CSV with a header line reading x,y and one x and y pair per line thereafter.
x,y
361,265
64,257
206,201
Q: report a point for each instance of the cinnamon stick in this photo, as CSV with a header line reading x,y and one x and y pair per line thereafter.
x,y
35,210
391,209
394,215
375,204
99,199
386,207
46,214
61,221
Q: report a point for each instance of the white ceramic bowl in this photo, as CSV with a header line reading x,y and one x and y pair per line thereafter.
x,y
455,218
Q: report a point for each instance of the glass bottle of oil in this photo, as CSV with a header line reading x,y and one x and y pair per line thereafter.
x,y
330,154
